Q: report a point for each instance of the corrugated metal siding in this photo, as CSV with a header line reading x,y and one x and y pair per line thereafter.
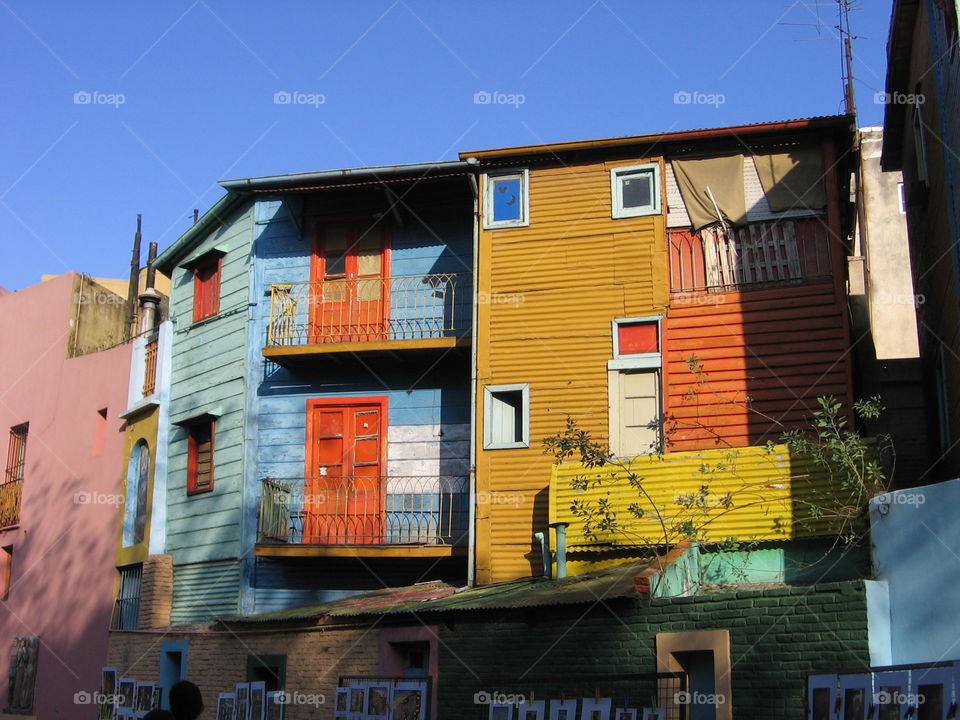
x,y
205,591
554,288
781,347
208,373
768,492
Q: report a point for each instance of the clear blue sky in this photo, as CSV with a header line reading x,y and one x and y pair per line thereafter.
x,y
182,94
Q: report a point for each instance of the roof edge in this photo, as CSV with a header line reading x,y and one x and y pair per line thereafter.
x,y
373,171
167,260
814,123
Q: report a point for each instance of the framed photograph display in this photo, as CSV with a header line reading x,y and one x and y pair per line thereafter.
x,y
500,711
128,693
256,698
593,709
625,714
409,701
108,693
274,705
378,701
226,706
563,710
341,710
532,710
242,692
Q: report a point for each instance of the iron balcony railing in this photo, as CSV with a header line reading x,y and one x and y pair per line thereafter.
x,y
367,309
373,510
10,495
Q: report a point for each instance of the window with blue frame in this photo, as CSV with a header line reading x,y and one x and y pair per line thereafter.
x,y
507,199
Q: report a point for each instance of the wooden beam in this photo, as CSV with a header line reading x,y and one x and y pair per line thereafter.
x,y
399,346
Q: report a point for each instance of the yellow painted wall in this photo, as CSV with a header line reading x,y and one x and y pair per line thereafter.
x,y
548,294
770,494
143,426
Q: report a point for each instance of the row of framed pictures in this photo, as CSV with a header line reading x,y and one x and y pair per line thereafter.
x,y
382,700
126,698
250,701
590,709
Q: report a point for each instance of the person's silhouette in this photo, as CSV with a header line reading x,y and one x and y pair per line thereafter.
x,y
186,702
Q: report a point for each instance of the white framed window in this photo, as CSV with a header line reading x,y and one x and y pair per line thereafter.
x,y
506,199
634,387
506,416
635,190
902,195
636,343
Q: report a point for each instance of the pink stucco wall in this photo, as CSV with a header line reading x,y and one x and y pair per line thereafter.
x,y
62,582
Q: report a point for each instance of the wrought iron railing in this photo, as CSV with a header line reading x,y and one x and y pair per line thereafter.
x,y
405,510
367,309
10,495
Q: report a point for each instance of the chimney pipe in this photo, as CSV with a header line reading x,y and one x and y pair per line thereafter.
x,y
134,285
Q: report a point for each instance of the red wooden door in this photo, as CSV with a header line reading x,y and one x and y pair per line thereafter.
x,y
344,502
352,296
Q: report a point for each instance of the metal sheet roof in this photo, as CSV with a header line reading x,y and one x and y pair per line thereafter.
x,y
606,584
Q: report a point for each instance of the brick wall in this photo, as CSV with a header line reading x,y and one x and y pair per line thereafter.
x,y
156,592
776,636
217,660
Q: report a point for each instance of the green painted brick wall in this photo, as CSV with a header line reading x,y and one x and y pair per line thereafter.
x,y
777,636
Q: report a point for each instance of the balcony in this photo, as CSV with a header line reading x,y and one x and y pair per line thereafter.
x,y
10,494
364,516
374,314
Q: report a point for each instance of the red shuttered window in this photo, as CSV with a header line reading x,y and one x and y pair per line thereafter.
x,y
206,288
200,457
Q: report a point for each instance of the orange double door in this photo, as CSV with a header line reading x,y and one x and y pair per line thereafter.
x,y
345,489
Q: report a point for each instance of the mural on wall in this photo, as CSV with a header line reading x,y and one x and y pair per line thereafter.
x,y
23,673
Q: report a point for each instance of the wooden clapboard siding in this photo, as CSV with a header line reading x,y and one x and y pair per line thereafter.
x,y
205,591
781,347
549,292
208,367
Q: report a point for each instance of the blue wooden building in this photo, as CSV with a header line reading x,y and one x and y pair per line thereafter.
x,y
321,398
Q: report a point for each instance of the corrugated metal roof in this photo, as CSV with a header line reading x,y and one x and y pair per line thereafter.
x,y
672,135
606,584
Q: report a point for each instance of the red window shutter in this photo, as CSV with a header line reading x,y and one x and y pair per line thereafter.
x,y
206,289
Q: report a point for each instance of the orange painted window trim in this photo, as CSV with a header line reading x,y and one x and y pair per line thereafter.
x,y
313,403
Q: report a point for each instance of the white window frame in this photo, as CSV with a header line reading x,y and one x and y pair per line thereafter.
x,y
521,174
488,393
617,175
635,361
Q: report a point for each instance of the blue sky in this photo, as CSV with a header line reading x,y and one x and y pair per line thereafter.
x,y
118,108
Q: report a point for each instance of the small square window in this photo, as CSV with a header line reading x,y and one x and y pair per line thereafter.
x,y
635,190
506,417
506,200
